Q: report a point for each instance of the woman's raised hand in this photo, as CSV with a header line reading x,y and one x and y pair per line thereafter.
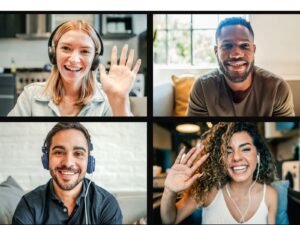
x,y
120,79
181,176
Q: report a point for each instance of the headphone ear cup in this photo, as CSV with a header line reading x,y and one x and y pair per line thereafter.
x,y
45,161
51,54
96,62
91,164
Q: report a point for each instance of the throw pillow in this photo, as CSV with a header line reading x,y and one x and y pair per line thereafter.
x,y
281,187
182,86
10,195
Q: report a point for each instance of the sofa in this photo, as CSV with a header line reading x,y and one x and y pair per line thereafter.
x,y
164,98
133,206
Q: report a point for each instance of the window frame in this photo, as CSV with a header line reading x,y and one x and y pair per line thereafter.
x,y
191,31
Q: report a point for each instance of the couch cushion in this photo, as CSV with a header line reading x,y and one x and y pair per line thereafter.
x,y
138,106
163,99
282,190
133,206
182,86
10,195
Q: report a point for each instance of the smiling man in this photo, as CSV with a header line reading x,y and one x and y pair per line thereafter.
x,y
238,88
68,197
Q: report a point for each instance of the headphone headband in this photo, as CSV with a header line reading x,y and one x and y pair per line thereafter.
x,y
51,48
45,156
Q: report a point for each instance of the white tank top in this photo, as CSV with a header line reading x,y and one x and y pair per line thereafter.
x,y
218,213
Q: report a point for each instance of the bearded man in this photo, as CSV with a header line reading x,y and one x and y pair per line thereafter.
x,y
238,87
68,197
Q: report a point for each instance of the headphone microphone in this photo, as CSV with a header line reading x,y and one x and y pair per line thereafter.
x,y
52,50
258,162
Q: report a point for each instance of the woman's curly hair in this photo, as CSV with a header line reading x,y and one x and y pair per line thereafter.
x,y
214,169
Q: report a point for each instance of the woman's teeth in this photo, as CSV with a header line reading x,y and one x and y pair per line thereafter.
x,y
73,69
239,168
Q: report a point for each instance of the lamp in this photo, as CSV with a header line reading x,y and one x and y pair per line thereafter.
x,y
209,124
188,128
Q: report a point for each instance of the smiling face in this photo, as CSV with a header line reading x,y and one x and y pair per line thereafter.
x,y
75,52
235,52
241,157
68,157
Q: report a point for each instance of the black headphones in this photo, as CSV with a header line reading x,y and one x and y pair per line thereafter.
x,y
52,53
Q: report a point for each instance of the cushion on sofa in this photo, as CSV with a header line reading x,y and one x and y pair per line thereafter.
x,y
10,195
138,106
282,190
182,86
163,99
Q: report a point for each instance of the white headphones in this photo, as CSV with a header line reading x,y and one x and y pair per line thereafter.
x,y
258,162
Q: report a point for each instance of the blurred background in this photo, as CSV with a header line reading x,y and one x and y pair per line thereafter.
x,y
283,139
24,55
120,150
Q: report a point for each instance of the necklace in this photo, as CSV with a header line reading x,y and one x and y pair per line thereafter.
x,y
242,220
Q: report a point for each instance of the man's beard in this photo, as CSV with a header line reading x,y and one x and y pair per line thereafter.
x,y
66,187
235,79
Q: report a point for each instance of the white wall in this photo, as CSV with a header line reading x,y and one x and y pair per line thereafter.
x,y
120,150
163,74
277,41
278,46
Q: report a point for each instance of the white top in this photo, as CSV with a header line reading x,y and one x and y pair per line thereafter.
x,y
218,213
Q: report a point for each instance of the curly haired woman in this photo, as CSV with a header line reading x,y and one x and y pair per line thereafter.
x,y
228,176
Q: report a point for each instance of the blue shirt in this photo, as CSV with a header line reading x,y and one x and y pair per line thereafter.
x,y
42,206
33,101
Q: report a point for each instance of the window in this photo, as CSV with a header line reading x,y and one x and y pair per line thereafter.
x,y
186,39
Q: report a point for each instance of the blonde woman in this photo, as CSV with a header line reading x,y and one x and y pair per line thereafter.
x,y
228,177
72,89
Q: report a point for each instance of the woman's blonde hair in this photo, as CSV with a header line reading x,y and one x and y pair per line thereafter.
x,y
54,86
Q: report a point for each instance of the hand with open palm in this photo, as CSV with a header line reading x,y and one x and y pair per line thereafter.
x,y
119,80
181,176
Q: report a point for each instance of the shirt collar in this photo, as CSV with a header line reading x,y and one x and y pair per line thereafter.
x,y
98,96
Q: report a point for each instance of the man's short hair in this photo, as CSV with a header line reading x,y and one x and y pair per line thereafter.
x,y
66,126
232,21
